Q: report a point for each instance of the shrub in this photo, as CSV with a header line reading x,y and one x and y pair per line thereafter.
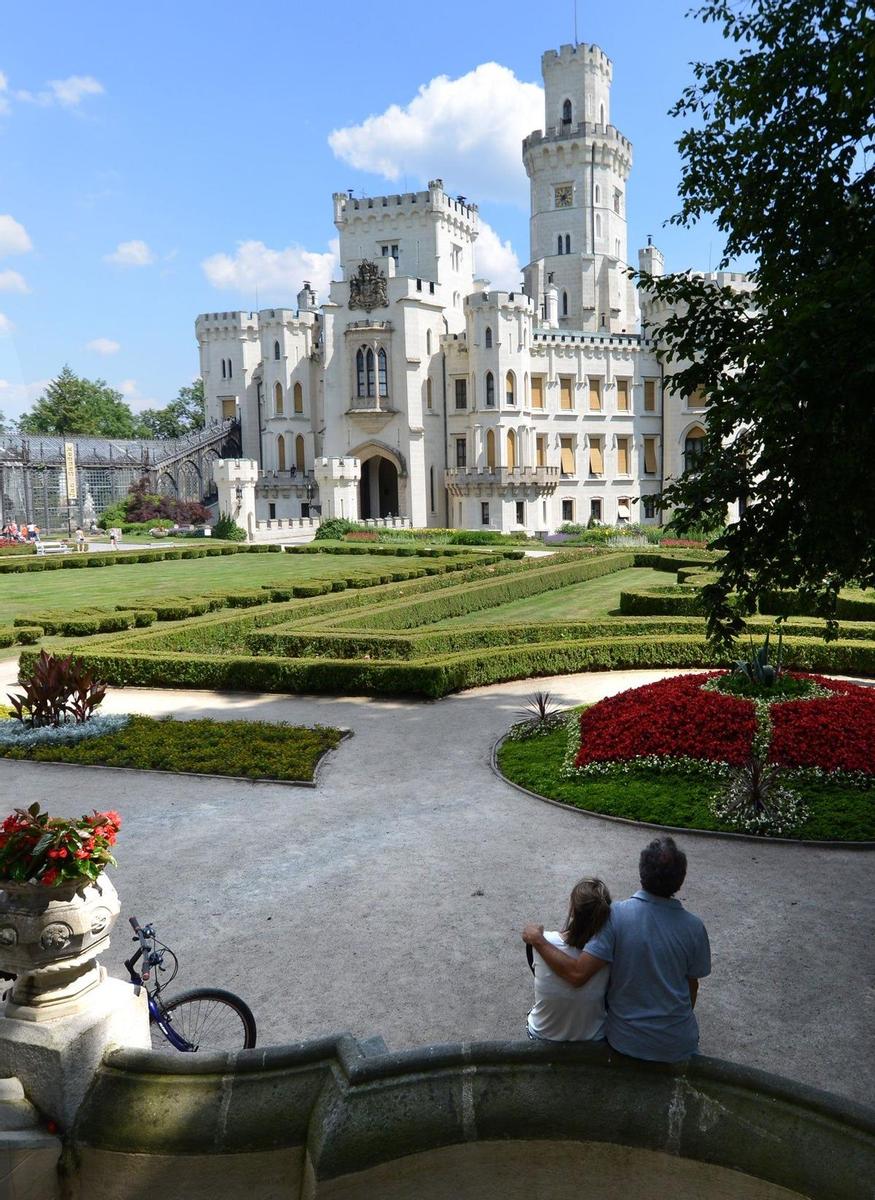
x,y
57,689
29,635
334,528
35,847
662,601
227,529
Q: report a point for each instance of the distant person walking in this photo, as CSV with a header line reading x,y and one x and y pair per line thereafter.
x,y
81,544
656,951
113,539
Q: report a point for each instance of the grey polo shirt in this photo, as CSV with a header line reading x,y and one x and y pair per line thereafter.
x,y
653,945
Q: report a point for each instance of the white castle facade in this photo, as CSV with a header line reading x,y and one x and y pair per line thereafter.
x,y
459,405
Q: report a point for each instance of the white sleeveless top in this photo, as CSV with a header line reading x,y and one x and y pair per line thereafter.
x,y
563,1013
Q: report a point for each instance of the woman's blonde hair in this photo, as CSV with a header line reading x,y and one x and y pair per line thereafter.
x,y
588,909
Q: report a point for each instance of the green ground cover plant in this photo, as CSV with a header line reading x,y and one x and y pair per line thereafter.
x,y
836,813
252,749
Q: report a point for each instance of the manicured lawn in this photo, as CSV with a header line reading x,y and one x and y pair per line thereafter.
x,y
105,587
837,813
594,599
254,749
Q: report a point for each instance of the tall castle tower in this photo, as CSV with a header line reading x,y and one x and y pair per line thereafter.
x,y
578,167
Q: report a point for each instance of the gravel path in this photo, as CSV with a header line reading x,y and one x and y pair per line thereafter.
x,y
389,899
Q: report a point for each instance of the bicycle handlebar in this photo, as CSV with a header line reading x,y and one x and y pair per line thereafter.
x,y
135,924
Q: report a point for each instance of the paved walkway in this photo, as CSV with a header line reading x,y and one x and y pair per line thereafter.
x,y
389,899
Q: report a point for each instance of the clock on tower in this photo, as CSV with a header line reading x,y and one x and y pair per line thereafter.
x,y
564,195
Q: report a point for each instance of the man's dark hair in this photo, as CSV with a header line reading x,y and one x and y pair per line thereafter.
x,y
662,867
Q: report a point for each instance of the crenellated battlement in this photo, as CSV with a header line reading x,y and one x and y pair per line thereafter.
x,y
501,301
569,55
434,200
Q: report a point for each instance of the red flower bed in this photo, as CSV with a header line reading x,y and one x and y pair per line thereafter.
x,y
361,535
835,734
672,718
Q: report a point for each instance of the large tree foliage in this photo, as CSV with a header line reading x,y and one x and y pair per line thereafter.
x,y
186,414
779,155
71,405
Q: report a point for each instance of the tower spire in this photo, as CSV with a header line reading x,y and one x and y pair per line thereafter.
x,y
575,21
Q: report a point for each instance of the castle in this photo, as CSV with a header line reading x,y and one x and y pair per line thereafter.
x,y
415,391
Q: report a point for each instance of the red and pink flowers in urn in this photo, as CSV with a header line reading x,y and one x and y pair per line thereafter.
x,y
680,719
37,848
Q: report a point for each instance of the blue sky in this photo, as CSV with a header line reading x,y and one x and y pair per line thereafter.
x,y
157,161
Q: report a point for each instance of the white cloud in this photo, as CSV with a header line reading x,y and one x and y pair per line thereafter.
x,y
13,236
15,398
131,254
103,345
11,281
4,88
132,394
496,260
67,93
272,271
6,325
467,129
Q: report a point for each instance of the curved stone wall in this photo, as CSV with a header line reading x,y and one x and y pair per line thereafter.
x,y
336,1118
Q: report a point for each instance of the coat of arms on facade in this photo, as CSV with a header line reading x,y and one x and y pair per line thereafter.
x,y
367,288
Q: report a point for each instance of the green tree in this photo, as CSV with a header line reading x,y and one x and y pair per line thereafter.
x,y
181,416
71,404
778,156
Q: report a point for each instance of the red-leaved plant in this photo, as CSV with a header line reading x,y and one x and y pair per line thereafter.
x,y
37,848
58,690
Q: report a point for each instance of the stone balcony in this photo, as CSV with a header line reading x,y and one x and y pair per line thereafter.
x,y
461,481
371,412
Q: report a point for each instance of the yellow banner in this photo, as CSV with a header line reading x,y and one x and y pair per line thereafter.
x,y
70,471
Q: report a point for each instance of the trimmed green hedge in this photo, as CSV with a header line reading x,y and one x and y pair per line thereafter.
x,y
115,558
850,605
674,560
662,601
86,622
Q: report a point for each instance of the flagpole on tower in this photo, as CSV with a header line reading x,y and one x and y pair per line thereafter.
x,y
575,22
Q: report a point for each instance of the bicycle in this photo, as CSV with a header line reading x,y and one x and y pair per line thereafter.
x,y
198,1019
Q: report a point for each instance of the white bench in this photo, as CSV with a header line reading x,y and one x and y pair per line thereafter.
x,y
43,548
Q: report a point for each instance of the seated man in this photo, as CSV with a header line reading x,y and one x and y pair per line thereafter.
x,y
657,952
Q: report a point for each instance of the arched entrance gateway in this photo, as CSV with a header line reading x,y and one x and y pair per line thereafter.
x,y
378,489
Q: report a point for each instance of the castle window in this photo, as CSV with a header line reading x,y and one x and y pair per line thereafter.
x,y
383,367
276,350
431,488
538,392
566,393
428,397
596,457
280,453
650,395
490,449
428,341
649,504
223,369
456,258
490,390
488,338
617,196
601,114
300,462
299,398
271,512
568,511
510,387
278,403
541,450
230,371
461,389
595,395
566,455
360,373
566,113
564,304
598,194
461,452
568,243
511,450
520,512
369,371
598,225
595,509
559,244
694,447
622,395
650,456
484,512
622,456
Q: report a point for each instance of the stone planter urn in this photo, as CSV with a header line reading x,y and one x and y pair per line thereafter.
x,y
50,938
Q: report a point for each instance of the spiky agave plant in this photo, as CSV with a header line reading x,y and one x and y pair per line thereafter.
x,y
756,800
539,707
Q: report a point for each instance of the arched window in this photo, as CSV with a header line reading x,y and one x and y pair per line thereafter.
x,y
300,462
223,368
490,449
601,114
511,450
278,399
299,398
230,371
510,387
694,446
369,364
428,341
428,398
488,338
490,390
383,365
598,225
566,113
276,350
559,244
360,373
568,243
598,194
564,304
280,452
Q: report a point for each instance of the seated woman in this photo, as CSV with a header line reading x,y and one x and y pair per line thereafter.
x,y
563,1013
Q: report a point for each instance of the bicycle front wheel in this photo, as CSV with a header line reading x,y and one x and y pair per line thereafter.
x,y
204,1019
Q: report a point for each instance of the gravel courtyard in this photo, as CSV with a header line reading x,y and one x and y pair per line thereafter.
x,y
388,900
